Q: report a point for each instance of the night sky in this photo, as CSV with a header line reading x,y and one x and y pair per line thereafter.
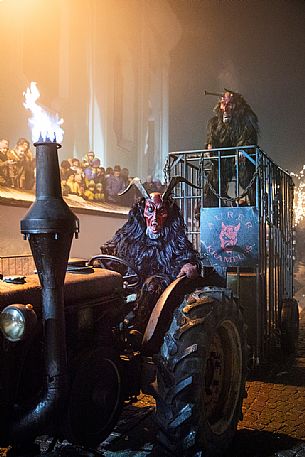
x,y
254,47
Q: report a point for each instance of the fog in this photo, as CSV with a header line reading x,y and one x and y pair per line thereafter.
x,y
254,47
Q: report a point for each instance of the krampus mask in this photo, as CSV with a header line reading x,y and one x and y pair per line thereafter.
x,y
154,237
234,123
157,205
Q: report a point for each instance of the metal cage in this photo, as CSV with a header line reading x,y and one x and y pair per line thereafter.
x,y
245,191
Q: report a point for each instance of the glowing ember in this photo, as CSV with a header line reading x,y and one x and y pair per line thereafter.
x,y
45,126
299,198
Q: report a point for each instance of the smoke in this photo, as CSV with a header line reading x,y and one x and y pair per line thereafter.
x,y
228,78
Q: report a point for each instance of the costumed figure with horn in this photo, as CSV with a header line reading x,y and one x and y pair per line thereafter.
x,y
234,124
154,242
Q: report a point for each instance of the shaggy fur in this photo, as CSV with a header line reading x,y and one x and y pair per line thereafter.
x,y
242,130
165,255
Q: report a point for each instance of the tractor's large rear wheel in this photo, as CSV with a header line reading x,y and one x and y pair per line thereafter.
x,y
201,375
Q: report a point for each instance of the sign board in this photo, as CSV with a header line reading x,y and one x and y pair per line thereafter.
x,y
229,237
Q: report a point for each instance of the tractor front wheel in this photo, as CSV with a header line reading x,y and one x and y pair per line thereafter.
x,y
201,375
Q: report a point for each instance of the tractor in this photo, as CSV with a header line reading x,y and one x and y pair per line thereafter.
x,y
71,354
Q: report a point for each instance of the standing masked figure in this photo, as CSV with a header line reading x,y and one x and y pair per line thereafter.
x,y
234,124
154,241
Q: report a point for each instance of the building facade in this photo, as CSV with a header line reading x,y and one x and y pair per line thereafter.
x,y
102,65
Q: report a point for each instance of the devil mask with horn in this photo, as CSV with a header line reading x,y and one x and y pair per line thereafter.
x,y
234,123
154,237
157,206
155,213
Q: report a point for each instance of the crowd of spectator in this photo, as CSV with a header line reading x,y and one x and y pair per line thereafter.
x,y
17,165
85,178
90,180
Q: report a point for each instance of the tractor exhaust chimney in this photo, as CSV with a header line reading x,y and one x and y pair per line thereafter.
x,y
49,226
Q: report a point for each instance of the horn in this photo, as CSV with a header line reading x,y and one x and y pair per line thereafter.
x,y
218,94
229,90
136,182
173,183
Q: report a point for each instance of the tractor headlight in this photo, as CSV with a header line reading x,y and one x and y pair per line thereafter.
x,y
17,321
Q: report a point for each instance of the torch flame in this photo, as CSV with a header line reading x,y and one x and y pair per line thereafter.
x,y
45,126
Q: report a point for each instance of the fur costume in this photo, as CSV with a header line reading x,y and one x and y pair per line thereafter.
x,y
164,255
241,129
158,260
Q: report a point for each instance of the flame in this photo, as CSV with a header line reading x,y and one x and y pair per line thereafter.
x,y
45,126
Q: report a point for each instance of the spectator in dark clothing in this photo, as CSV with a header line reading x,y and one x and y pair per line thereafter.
x,y
127,199
151,185
114,185
99,177
16,168
125,176
96,163
65,170
95,169
108,172
4,162
27,178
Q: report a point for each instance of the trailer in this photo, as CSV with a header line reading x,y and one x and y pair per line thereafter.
x,y
245,233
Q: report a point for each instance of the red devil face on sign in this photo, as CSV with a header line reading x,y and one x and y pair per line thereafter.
x,y
228,236
227,107
155,213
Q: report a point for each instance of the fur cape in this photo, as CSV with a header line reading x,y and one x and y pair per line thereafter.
x,y
242,130
164,255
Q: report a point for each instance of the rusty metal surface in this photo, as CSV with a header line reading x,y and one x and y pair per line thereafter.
x,y
160,306
77,287
162,313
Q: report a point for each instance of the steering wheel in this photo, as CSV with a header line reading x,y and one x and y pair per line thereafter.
x,y
131,276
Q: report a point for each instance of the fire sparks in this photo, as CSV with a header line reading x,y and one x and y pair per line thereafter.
x,y
299,198
44,125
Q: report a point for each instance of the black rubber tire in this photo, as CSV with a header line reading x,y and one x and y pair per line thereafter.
x,y
95,401
289,326
201,375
